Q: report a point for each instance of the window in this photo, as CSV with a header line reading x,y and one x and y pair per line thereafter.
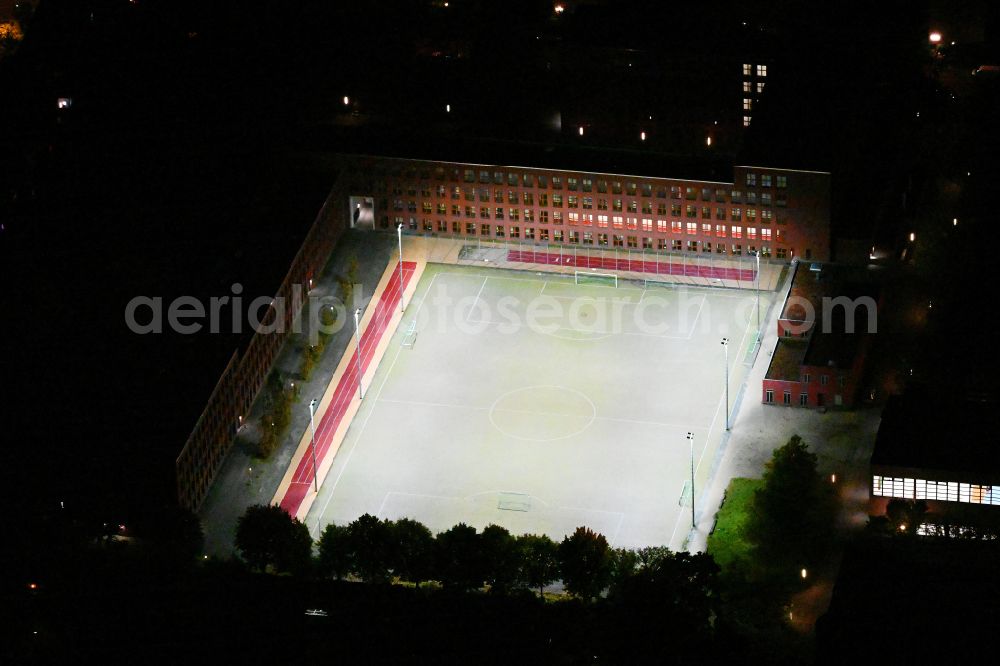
x,y
706,212
529,214
512,196
661,226
484,212
765,235
512,179
588,184
573,219
616,187
781,181
752,233
543,199
514,214
470,228
574,236
765,180
602,204
706,230
543,235
571,184
647,224
735,214
527,180
737,232
720,231
602,220
675,192
806,378
747,87
787,397
746,121
543,216
760,87
529,233
761,70
515,232
691,211
765,198
690,193
676,246
747,69
782,253
617,221
751,179
769,396
720,196
720,213
803,399
630,189
588,238
499,212
602,186
675,210
751,214
556,183
692,228
675,226
485,230
528,198
543,182
747,104
824,379
557,201
572,201
647,190
736,196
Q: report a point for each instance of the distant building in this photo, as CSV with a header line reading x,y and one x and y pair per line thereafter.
x,y
782,213
937,449
823,339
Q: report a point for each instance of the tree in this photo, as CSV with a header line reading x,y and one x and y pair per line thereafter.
x,y
268,537
174,535
335,551
458,558
585,562
905,516
539,561
412,550
501,558
624,564
794,510
370,543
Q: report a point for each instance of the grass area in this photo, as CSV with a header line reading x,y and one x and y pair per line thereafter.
x,y
727,543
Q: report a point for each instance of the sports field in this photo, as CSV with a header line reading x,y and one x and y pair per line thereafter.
x,y
543,402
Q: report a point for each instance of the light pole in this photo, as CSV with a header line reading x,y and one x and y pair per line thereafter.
x,y
312,427
690,438
758,295
399,235
725,346
357,335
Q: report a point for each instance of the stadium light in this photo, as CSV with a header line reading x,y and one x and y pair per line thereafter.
x,y
357,335
399,234
725,346
690,438
935,37
758,296
312,428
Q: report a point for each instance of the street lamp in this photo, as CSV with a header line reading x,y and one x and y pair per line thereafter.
x,y
758,295
312,428
399,234
690,438
725,346
357,335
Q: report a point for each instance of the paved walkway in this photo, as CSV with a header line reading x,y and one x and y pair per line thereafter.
x,y
841,440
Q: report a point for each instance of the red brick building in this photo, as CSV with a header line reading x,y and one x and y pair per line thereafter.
x,y
780,212
824,331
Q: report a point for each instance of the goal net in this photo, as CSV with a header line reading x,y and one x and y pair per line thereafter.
x,y
410,336
603,279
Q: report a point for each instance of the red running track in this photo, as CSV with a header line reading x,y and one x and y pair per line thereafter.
x,y
347,388
638,266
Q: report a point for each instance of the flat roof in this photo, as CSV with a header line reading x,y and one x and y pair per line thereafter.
x,y
786,361
928,430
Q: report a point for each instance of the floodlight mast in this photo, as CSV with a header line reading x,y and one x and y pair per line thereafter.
x,y
399,235
690,438
312,428
725,346
357,335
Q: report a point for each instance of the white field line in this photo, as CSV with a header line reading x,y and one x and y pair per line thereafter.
x,y
476,302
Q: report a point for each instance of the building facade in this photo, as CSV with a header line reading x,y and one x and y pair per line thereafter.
x,y
781,213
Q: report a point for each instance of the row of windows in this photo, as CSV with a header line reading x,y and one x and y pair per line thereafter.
x,y
943,491
499,195
786,398
584,237
749,70
606,221
573,184
734,214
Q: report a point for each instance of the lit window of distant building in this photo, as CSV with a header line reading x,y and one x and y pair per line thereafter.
x,y
747,69
746,121
761,70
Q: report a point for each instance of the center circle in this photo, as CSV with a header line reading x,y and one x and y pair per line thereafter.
x,y
542,413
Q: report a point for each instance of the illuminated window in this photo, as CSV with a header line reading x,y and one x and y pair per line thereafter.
x,y
752,233
765,235
588,184
676,227
720,230
617,221
692,228
747,69
574,219
760,87
661,226
571,184
747,104
706,230
761,70
747,87
781,181
735,214
737,232
691,211
514,214
647,224
751,179
602,220
746,121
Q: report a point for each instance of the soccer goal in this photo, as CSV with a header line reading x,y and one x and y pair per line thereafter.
x,y
410,337
661,284
604,279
